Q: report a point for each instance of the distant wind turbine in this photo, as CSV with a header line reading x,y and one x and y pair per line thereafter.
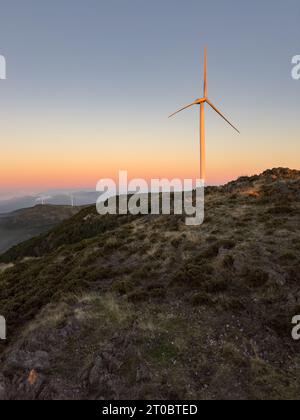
x,y
202,102
72,198
42,199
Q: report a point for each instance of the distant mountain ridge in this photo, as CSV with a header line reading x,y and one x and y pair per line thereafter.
x,y
81,198
21,225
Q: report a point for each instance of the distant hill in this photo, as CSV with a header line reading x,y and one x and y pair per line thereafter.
x,y
144,307
24,224
81,198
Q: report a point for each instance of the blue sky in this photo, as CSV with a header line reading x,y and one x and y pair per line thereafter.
x,y
104,76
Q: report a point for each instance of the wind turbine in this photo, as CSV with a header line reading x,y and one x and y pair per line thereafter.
x,y
202,103
42,199
72,198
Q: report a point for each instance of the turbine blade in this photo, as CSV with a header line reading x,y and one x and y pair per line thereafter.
x,y
218,112
182,109
205,74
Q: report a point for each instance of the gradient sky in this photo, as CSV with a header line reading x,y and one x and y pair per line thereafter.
x,y
91,84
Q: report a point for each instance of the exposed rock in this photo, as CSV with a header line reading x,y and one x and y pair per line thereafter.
x,y
38,360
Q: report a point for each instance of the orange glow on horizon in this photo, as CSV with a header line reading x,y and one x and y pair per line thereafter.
x,y
77,161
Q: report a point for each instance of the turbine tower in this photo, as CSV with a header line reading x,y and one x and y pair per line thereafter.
x,y
202,103
40,200
72,198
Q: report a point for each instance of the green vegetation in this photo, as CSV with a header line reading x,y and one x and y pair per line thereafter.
x,y
146,307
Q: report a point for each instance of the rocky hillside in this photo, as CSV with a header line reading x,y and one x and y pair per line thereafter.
x,y
145,307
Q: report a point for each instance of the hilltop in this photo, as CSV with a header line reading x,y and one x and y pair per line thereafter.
x,y
145,307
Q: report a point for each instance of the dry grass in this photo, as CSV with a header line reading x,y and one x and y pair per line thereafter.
x,y
146,307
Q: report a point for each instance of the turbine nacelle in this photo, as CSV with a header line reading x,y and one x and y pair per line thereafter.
x,y
201,101
207,101
196,102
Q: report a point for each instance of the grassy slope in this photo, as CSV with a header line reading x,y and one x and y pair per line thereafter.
x,y
145,307
24,224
